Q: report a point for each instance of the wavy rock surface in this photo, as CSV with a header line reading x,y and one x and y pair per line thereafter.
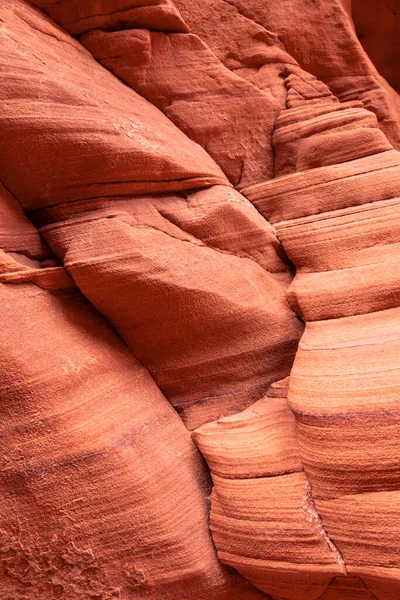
x,y
243,46
178,73
230,114
127,255
165,283
66,116
345,379
79,17
94,458
334,55
296,517
263,517
142,271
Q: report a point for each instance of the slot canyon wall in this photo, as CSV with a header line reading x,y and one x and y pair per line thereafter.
x,y
200,300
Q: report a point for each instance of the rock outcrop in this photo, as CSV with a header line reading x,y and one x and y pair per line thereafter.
x,y
322,38
263,518
142,272
94,459
297,517
180,196
232,119
338,225
142,261
65,115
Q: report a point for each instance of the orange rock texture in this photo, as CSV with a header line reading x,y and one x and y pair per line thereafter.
x,y
341,232
200,295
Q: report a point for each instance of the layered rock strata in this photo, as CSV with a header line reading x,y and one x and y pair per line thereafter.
x,y
141,261
335,208
94,459
74,132
105,495
227,101
232,119
263,518
142,271
338,223
334,54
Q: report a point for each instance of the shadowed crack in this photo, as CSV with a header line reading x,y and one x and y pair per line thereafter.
x,y
314,518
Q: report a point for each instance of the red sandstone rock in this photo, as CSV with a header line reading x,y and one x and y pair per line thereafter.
x,y
242,45
77,17
178,73
67,117
238,334
263,516
105,495
232,116
213,327
377,24
348,588
94,460
321,37
344,382
98,564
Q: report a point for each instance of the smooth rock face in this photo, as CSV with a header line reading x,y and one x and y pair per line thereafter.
x,y
377,25
167,166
